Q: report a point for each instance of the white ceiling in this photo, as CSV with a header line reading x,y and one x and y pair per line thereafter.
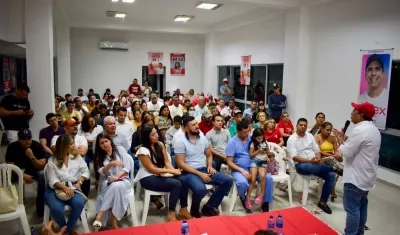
x,y
158,15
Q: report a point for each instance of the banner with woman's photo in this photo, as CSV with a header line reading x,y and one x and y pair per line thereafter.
x,y
245,71
376,67
177,61
155,62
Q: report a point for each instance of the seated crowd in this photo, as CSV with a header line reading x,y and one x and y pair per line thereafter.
x,y
175,144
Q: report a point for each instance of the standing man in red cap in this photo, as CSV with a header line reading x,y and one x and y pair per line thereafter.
x,y
360,151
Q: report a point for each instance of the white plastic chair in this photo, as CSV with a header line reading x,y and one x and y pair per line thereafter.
x,y
46,216
20,212
282,176
306,183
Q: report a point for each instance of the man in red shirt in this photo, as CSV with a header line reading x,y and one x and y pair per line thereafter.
x,y
134,88
206,123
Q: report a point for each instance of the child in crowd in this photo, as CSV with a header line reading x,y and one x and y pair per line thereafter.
x,y
171,132
273,165
259,152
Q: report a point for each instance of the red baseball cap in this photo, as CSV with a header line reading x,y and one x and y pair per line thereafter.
x,y
366,108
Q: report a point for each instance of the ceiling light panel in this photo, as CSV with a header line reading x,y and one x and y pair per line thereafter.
x,y
120,15
126,1
208,5
183,18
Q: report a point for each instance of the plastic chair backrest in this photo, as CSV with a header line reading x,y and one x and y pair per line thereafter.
x,y
5,176
279,155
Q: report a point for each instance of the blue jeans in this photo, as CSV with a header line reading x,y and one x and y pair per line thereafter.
x,y
136,165
57,211
199,189
355,203
176,186
323,171
242,185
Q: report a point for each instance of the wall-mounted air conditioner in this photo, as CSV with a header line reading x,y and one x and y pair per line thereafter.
x,y
107,45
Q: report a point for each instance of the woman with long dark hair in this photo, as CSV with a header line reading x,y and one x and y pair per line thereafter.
x,y
66,171
163,120
113,165
319,120
156,173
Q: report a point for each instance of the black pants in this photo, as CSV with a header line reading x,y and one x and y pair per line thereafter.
x,y
217,162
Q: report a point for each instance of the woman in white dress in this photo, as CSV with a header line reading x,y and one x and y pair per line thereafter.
x,y
113,165
65,172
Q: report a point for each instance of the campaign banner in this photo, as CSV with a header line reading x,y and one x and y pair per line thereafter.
x,y
376,67
8,74
178,61
155,62
245,71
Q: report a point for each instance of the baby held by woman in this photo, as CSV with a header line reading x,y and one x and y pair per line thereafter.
x,y
262,162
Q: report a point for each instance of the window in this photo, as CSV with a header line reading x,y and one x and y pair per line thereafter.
x,y
257,90
393,114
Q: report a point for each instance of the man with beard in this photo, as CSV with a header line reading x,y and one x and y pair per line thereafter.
x,y
194,157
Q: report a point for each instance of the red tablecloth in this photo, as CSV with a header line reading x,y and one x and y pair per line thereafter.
x,y
297,221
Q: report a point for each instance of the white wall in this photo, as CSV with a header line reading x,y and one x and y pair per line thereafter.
x,y
263,40
101,69
12,21
339,30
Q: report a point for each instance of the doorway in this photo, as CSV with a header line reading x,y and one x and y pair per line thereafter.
x,y
156,81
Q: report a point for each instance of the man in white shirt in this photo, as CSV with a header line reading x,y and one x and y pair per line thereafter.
x,y
176,108
377,94
153,106
305,152
83,97
124,126
360,151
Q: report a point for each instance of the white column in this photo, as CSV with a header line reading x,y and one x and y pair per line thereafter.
x,y
39,59
296,75
210,66
63,48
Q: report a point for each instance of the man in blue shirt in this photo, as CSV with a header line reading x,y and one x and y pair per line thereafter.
x,y
276,103
238,158
226,91
194,157
249,111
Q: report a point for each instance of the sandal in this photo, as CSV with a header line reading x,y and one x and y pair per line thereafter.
x,y
258,200
248,204
96,225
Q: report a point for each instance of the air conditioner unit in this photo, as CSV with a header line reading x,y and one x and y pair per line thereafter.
x,y
123,46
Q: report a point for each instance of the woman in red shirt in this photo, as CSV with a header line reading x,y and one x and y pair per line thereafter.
x,y
285,127
271,133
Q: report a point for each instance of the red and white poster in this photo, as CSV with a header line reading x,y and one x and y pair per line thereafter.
x,y
155,62
178,61
245,72
7,76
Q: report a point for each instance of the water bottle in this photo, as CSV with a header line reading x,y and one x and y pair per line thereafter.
x,y
279,225
185,228
32,231
271,223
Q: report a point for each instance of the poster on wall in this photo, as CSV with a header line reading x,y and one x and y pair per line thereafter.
x,y
155,62
8,74
376,67
178,61
245,71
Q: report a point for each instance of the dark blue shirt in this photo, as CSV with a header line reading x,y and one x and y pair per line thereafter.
x,y
276,103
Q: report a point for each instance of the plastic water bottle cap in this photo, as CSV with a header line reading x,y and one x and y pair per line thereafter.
x,y
271,216
185,221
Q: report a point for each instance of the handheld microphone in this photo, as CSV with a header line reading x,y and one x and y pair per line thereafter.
x,y
346,125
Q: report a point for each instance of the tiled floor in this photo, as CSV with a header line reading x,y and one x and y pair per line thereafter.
x,y
384,210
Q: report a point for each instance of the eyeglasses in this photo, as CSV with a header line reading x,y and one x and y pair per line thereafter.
x,y
285,116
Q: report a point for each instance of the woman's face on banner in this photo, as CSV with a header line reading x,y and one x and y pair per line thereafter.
x,y
374,74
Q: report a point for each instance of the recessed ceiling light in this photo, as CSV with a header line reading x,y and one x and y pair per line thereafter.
x,y
208,5
127,1
120,15
183,18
